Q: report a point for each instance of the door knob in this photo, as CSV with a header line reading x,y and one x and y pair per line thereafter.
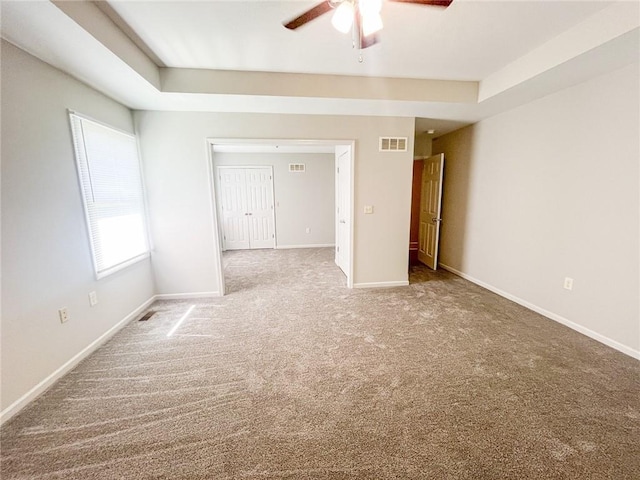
x,y
435,220
343,221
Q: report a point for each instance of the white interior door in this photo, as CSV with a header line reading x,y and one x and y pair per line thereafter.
x,y
233,206
343,208
246,204
260,207
430,209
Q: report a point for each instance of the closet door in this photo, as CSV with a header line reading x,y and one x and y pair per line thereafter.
x,y
260,207
246,205
233,205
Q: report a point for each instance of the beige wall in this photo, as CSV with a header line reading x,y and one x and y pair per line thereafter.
x,y
175,160
551,190
46,260
302,199
423,145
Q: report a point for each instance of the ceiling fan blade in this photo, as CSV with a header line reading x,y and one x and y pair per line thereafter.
x,y
309,15
433,3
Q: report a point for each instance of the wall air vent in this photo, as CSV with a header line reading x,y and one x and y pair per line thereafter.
x,y
296,167
393,144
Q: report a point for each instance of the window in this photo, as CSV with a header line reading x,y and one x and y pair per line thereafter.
x,y
111,182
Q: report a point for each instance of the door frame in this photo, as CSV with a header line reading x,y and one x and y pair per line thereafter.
x,y
273,200
210,143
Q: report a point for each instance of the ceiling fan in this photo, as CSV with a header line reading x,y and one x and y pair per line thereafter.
x,y
362,17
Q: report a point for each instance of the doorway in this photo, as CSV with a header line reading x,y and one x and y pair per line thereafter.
x,y
234,220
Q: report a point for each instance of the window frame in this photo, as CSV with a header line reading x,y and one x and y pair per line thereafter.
x,y
79,139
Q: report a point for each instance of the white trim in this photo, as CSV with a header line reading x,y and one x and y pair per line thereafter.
x,y
41,387
553,316
276,141
215,217
98,122
145,198
123,265
187,295
352,215
245,166
314,245
271,148
399,283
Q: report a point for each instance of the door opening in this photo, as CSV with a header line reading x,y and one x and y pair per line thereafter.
x,y
246,208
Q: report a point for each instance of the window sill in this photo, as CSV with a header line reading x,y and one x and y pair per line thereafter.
x,y
122,266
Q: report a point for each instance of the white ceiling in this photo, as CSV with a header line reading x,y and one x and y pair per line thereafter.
x,y
466,41
489,55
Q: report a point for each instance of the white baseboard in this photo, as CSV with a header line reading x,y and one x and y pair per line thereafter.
x,y
185,296
315,245
553,316
400,283
41,387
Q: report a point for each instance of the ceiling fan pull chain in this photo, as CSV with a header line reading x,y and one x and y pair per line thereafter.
x,y
353,36
357,31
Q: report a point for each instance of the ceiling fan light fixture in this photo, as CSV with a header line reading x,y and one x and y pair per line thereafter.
x,y
371,23
343,17
370,7
362,17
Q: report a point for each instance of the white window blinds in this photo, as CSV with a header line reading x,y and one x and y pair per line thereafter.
x,y
111,182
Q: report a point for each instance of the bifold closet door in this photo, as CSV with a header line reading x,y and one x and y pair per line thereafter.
x,y
246,203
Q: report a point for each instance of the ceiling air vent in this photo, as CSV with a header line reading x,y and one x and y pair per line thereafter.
x,y
393,144
296,167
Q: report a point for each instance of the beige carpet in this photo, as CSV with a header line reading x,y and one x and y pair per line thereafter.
x,y
294,376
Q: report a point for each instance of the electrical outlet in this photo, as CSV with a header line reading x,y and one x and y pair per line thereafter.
x,y
63,313
307,230
568,283
368,209
93,298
